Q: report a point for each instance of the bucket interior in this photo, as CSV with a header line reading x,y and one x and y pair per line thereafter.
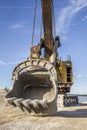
x,y
33,86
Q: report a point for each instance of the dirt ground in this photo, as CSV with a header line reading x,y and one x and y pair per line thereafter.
x,y
68,118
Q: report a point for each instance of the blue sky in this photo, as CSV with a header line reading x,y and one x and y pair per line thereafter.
x,y
16,18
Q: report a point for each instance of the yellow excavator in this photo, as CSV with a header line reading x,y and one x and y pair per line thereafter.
x,y
38,80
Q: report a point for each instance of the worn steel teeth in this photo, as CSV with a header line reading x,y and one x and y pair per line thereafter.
x,y
11,101
25,103
36,106
18,103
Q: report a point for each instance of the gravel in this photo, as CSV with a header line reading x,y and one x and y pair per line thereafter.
x,y
67,118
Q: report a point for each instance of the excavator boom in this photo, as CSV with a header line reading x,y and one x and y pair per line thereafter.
x,y
48,26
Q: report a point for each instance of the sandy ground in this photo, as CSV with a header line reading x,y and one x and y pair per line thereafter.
x,y
68,118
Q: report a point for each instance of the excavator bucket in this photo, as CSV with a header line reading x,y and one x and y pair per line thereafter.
x,y
34,87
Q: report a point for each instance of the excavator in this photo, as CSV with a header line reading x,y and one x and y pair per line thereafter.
x,y
39,80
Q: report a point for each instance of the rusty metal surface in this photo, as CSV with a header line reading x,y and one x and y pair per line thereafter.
x,y
47,23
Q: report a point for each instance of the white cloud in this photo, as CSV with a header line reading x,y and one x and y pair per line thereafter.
x,y
81,76
84,19
2,63
67,14
16,26
12,63
8,63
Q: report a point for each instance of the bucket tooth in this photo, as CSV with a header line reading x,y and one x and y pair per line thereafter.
x,y
33,108
18,103
26,105
43,104
11,101
36,106
41,107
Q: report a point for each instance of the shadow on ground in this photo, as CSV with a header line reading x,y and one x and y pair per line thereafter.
x,y
78,113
